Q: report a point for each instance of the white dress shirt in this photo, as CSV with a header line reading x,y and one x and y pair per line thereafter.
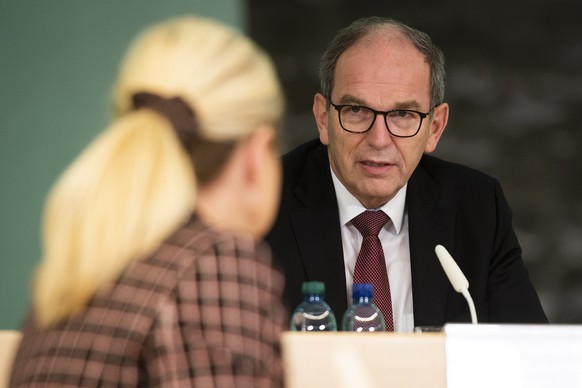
x,y
394,238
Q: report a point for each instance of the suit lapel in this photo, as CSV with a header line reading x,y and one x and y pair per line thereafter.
x,y
429,225
317,229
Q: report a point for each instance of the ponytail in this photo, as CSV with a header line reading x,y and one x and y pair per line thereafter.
x,y
116,203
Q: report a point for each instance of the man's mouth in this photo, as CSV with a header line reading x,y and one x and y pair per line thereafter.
x,y
375,164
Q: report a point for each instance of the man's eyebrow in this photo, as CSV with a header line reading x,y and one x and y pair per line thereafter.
x,y
353,100
411,104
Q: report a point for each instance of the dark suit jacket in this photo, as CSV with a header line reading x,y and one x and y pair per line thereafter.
x,y
448,204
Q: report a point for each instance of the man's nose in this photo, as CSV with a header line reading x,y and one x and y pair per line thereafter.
x,y
378,134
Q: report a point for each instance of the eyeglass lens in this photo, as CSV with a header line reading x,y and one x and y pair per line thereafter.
x,y
359,119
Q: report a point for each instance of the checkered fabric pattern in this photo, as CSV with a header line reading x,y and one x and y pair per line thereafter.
x,y
371,264
205,310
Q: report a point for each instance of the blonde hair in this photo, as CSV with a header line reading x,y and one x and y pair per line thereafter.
x,y
136,182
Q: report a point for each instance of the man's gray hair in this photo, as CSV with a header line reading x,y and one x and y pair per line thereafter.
x,y
360,28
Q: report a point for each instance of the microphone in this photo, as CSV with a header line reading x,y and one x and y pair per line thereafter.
x,y
456,277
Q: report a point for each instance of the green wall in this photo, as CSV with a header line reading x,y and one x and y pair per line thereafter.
x,y
58,60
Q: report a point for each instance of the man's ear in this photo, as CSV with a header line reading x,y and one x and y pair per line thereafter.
x,y
437,126
321,117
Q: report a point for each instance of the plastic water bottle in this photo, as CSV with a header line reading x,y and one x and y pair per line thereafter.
x,y
313,314
363,315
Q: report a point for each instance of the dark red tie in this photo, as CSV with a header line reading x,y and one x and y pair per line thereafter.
x,y
370,265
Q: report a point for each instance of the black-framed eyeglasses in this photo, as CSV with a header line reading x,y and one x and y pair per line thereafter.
x,y
399,122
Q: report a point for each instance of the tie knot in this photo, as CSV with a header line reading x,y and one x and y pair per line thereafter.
x,y
370,222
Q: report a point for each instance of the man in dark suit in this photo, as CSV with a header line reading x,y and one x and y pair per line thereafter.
x,y
379,113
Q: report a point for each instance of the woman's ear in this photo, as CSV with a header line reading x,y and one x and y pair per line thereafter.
x,y
257,150
262,180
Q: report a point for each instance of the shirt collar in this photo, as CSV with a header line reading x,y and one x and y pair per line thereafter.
x,y
349,206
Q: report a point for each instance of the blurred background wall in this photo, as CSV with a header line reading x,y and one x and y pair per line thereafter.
x,y
514,85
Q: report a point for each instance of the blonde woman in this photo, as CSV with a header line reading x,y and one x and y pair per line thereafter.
x,y
153,270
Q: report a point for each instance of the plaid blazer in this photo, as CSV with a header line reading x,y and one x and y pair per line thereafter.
x,y
204,310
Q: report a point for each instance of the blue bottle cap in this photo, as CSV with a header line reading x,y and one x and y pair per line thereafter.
x,y
362,290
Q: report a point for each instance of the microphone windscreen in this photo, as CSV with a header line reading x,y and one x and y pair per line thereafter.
x,y
454,273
